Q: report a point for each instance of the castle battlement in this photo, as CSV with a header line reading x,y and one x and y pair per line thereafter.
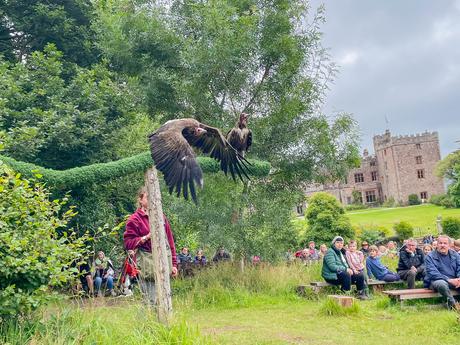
x,y
387,140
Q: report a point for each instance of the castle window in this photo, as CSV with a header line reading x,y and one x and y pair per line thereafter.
x,y
370,196
386,166
424,195
418,146
372,163
348,200
374,175
421,173
359,178
385,152
418,159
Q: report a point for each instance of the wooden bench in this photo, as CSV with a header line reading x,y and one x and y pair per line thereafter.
x,y
411,294
316,287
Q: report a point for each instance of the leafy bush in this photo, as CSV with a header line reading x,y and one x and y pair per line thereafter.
x,y
34,245
404,230
414,200
326,219
442,200
390,202
451,227
353,207
373,235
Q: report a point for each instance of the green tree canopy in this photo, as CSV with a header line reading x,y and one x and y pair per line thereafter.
x,y
326,219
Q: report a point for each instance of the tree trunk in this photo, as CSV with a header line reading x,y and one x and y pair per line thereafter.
x,y
158,239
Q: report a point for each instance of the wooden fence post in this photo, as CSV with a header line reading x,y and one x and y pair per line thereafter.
x,y
158,239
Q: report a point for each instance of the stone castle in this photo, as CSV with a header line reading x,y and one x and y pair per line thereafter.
x,y
402,165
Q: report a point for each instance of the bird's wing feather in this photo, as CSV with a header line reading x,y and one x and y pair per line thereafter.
x,y
214,143
174,157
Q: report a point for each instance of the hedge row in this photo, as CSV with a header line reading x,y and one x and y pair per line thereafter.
x,y
80,176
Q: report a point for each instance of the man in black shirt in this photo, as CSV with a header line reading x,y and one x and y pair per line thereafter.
x,y
411,265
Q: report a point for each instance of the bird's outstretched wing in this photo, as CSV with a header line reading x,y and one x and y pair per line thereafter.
x,y
214,143
174,157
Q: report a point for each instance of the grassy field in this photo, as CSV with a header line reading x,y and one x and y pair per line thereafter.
x,y
422,217
225,306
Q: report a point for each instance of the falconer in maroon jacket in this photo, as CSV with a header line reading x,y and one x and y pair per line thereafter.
x,y
137,233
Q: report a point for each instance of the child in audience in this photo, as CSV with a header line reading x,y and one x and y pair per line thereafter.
x,y
355,258
322,250
382,251
427,249
376,269
392,251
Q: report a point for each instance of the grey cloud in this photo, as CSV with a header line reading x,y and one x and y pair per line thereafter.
x,y
399,59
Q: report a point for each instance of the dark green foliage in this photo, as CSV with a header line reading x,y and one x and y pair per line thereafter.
x,y
61,122
413,199
326,219
357,197
451,227
373,235
404,230
449,168
26,26
33,257
442,200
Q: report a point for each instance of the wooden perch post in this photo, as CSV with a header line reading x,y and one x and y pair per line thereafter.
x,y
160,258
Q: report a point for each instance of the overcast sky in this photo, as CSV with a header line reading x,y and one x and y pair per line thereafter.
x,y
399,59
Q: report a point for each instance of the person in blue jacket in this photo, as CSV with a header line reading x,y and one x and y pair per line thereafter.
x,y
376,269
443,271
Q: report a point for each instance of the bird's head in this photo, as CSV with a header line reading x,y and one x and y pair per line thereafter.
x,y
200,131
243,119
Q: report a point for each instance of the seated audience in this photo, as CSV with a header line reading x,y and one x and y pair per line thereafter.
x,y
337,272
221,255
391,250
365,249
355,258
457,245
256,260
85,279
313,253
184,256
200,259
434,245
376,269
322,251
382,251
411,264
304,256
288,256
443,271
104,273
427,249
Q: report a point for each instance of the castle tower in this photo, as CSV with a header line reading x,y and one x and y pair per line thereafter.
x,y
407,164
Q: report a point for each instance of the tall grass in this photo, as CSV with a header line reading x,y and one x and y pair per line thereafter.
x,y
225,286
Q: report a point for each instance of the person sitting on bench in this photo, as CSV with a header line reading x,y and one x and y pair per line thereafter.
x,y
377,269
411,264
337,272
443,271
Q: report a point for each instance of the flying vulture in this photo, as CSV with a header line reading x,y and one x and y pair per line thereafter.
x,y
240,136
172,152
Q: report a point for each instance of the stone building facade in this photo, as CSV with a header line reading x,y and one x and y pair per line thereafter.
x,y
402,165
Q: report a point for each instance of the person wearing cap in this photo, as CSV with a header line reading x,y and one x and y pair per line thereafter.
x,y
365,248
337,272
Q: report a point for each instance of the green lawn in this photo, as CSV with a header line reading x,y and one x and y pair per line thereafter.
x,y
422,217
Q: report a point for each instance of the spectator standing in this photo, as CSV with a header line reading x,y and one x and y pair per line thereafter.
x,y
376,269
337,272
221,256
411,264
137,237
443,271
